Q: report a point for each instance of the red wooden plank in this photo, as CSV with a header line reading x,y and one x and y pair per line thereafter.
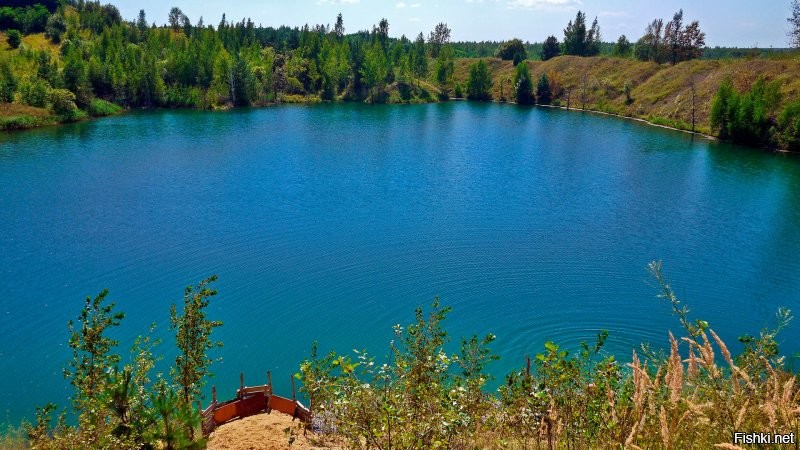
x,y
281,404
225,413
251,405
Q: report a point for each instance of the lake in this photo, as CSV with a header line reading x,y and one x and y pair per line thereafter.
x,y
334,222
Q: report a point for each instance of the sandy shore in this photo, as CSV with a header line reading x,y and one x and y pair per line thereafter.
x,y
266,432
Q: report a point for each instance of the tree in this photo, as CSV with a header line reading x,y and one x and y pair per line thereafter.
x,y
523,85
444,69
8,82
175,18
56,26
550,49
14,38
141,22
794,23
543,94
513,50
375,69
575,35
438,38
419,59
672,42
193,339
623,47
479,82
593,39
580,41
338,29
91,352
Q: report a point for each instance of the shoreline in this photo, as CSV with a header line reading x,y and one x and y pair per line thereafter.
x,y
273,104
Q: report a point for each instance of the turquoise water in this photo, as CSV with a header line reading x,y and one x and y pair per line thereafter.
x,y
333,222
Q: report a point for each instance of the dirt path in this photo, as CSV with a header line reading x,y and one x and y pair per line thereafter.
x,y
266,432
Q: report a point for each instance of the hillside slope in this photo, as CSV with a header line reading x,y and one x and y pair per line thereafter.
x,y
660,93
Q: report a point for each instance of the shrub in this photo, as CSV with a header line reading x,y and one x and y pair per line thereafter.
x,y
14,38
543,93
34,92
423,397
100,108
458,92
479,83
62,102
523,85
8,82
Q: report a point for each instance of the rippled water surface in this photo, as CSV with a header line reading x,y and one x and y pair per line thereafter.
x,y
334,222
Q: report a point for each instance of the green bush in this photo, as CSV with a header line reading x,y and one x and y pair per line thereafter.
x,y
789,126
479,84
523,85
34,92
423,397
745,117
21,122
14,38
62,102
100,108
543,93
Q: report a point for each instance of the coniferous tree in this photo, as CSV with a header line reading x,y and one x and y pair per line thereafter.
x,y
193,339
419,58
543,93
479,83
338,29
550,49
523,85
623,47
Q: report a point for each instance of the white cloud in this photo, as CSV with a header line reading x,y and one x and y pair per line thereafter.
x,y
543,4
401,5
415,5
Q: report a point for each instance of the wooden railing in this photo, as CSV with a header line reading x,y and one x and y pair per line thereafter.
x,y
250,400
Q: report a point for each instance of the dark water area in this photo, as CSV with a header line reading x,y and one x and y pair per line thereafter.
x,y
334,222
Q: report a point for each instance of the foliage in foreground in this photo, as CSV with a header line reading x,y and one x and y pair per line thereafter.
x,y
120,406
423,397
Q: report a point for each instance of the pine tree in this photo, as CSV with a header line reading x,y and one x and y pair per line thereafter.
x,y
523,85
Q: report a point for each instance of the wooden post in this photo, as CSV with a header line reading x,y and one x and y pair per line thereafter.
x,y
528,366
269,380
241,380
214,395
294,396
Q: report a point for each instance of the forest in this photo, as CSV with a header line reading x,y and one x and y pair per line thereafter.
x,y
77,58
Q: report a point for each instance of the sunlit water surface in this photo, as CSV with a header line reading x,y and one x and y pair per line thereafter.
x,y
334,222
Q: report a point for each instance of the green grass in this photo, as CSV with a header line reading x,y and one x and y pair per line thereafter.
x,y
101,108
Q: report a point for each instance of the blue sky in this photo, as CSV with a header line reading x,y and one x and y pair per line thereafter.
x,y
743,23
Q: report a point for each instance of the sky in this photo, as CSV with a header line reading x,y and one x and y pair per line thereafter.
x,y
732,23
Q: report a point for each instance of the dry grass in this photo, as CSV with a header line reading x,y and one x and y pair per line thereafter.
x,y
16,109
658,91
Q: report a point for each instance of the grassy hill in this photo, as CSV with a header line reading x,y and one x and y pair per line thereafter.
x,y
661,94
